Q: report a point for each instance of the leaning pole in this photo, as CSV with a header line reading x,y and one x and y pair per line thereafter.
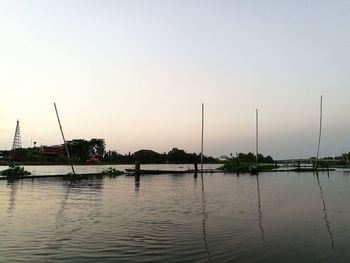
x,y
64,140
319,136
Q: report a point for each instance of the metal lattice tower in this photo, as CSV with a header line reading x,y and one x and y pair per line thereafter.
x,y
17,139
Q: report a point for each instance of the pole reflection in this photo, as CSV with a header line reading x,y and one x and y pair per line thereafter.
x,y
260,215
137,183
325,215
12,196
204,219
60,212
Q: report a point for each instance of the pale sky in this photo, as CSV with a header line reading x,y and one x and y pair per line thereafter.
x,y
136,72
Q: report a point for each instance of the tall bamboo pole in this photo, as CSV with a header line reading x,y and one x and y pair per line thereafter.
x,y
64,140
257,138
202,138
319,135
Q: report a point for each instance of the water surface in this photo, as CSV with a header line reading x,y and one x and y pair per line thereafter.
x,y
275,217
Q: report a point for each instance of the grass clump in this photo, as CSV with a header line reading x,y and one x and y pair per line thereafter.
x,y
15,171
236,167
111,172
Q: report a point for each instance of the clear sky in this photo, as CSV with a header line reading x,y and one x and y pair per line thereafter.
x,y
136,72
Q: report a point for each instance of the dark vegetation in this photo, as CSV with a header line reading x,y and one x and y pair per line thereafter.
x,y
14,171
251,157
82,150
247,163
94,152
111,172
344,159
245,167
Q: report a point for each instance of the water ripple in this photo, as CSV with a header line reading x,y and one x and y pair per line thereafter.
x,y
174,219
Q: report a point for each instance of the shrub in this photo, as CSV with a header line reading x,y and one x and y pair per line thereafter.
x,y
15,171
111,172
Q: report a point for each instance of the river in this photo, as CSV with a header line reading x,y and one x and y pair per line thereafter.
x,y
273,217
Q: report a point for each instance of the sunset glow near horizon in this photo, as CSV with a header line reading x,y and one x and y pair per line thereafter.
x,y
136,72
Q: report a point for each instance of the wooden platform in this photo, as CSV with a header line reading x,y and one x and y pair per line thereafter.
x,y
300,170
50,176
131,172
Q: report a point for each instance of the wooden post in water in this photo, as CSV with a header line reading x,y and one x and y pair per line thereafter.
x,y
137,170
195,169
202,138
257,140
64,140
319,136
137,166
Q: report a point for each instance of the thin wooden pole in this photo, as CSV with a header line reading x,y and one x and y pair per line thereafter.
x,y
257,138
202,137
319,135
64,140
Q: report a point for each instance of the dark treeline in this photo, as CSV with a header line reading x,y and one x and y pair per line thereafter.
x,y
83,150
149,156
94,152
251,157
80,150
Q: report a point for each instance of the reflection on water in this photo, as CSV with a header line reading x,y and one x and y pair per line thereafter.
x,y
12,195
215,217
204,219
137,184
60,212
260,219
324,209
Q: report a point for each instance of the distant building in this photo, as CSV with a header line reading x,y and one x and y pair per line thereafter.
x,y
224,158
51,151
